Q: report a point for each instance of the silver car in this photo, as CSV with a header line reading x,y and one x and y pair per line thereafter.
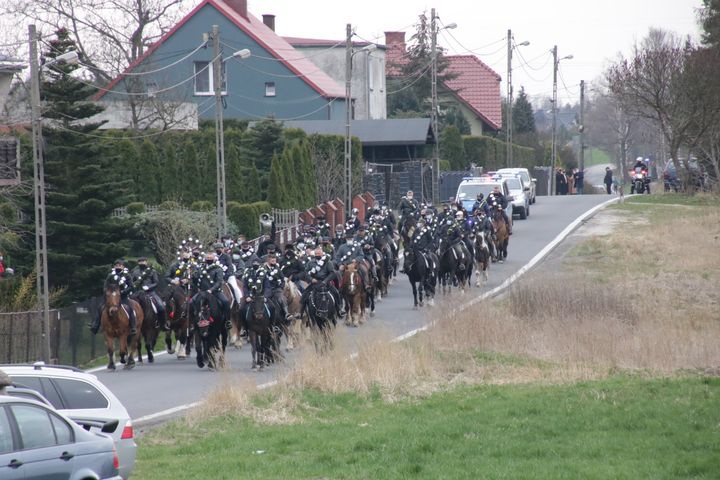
x,y
37,442
84,399
528,181
520,195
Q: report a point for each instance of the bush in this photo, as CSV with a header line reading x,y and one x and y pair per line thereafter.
x,y
202,206
246,216
135,208
169,205
489,153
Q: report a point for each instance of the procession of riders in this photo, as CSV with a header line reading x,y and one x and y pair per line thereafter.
x,y
329,271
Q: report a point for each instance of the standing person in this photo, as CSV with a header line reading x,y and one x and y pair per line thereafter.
x,y
570,175
579,177
564,182
559,177
608,180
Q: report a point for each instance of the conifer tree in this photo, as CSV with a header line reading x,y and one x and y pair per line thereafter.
x,y
276,182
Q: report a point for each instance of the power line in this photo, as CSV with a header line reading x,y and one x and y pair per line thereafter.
x,y
469,50
527,62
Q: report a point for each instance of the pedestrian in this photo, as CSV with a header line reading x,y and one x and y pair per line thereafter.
x,y
571,181
564,183
579,177
559,178
608,179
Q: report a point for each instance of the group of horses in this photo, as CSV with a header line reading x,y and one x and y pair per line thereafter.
x,y
452,263
195,319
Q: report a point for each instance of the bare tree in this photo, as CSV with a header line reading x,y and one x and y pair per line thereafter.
x,y
328,159
661,83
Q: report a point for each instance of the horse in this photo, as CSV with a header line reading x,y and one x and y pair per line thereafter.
x,y
501,235
322,315
454,265
407,228
482,256
383,271
421,269
294,330
259,318
235,315
177,309
150,330
115,321
364,266
352,291
387,248
210,331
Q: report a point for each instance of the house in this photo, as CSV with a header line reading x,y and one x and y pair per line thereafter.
x,y
475,88
9,145
9,66
367,80
275,81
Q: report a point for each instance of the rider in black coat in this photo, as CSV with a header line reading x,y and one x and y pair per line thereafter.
x,y
209,278
119,276
146,278
497,200
320,269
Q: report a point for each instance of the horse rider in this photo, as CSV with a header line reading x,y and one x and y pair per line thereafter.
x,y
408,205
497,200
320,269
271,249
353,222
292,267
254,278
454,231
146,278
422,240
368,254
276,282
179,272
237,263
209,278
119,276
228,266
247,253
362,237
327,246
339,237
480,204
322,228
350,252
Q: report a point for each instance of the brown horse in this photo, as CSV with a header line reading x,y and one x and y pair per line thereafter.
x,y
149,332
482,257
293,331
352,291
115,321
178,315
501,236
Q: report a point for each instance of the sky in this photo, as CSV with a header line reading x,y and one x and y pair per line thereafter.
x,y
593,32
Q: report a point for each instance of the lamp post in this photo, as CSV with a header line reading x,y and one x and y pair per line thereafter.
x,y
556,62
508,116
41,261
219,128
349,54
434,114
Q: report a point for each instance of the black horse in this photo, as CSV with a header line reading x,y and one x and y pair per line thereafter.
x,y
455,262
384,245
421,269
322,314
177,307
150,330
210,331
259,317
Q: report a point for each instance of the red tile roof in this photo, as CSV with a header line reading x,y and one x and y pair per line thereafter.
x,y
266,37
477,86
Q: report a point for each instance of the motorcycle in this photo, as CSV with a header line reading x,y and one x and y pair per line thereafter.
x,y
639,181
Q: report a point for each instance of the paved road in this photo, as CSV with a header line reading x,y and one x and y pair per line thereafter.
x,y
170,383
595,174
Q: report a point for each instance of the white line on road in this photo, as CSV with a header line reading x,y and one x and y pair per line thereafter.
x,y
510,280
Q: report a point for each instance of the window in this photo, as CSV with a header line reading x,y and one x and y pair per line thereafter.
x,y
269,89
35,427
40,385
80,395
63,432
6,438
204,84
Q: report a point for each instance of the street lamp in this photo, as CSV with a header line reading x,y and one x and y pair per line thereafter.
x,y
41,261
556,62
349,54
508,116
219,129
434,114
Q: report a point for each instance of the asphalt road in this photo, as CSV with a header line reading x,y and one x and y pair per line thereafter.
x,y
152,392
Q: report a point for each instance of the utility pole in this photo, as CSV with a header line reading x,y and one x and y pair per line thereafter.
x,y
582,126
434,114
551,179
41,262
219,134
508,114
348,109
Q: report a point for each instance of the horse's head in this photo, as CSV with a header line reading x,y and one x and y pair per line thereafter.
x,y
409,260
112,299
203,314
351,278
321,299
258,307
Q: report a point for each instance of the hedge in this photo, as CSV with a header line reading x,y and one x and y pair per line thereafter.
x,y
247,216
489,153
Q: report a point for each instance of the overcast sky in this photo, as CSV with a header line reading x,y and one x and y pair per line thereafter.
x,y
593,31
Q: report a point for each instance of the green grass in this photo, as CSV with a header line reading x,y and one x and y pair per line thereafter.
x,y
625,427
595,156
697,200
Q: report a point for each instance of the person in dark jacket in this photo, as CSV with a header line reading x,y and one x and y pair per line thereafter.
x,y
145,278
608,180
320,269
579,177
119,276
209,278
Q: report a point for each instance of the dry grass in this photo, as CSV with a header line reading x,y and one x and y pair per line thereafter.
x,y
551,327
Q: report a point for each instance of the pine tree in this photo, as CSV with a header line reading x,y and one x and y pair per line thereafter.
x,y
522,114
83,189
189,190
451,147
149,188
308,177
276,182
234,181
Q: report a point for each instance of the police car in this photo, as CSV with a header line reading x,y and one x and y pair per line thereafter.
x,y
470,187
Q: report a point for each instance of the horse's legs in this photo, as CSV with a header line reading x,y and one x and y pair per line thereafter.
x,y
414,289
421,288
199,359
110,343
168,343
149,346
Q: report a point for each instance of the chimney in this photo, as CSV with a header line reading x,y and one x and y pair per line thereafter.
x,y
395,40
269,20
240,6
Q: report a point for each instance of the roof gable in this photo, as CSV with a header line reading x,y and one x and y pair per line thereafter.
x,y
265,37
477,86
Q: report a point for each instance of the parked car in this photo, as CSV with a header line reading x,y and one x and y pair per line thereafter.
x,y
527,179
37,442
671,181
519,193
84,399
